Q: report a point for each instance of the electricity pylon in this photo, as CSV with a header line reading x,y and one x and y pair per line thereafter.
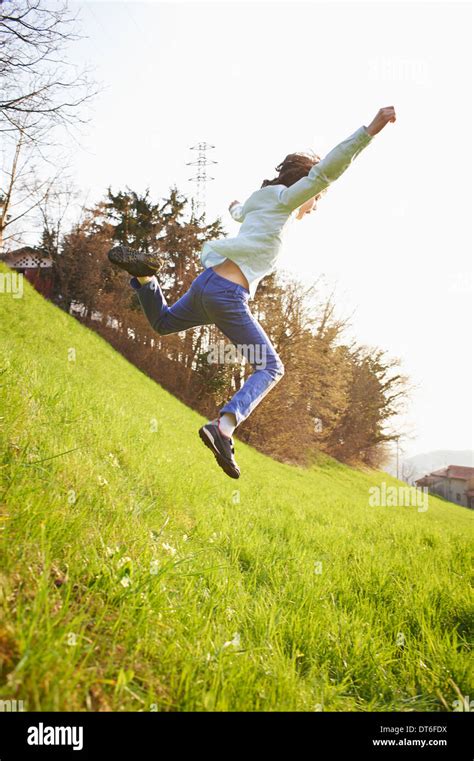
x,y
199,200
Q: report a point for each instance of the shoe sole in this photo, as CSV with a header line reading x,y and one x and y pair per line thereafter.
x,y
207,439
120,257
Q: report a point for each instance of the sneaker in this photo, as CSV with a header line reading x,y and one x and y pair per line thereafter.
x,y
222,447
134,262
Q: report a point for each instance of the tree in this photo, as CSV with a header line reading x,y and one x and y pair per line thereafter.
x,y
23,192
35,78
377,392
40,91
306,404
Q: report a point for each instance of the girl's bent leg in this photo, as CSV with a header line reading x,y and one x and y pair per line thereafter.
x,y
185,313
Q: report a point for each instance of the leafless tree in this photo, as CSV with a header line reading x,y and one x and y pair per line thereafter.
x,y
35,76
22,191
40,91
409,472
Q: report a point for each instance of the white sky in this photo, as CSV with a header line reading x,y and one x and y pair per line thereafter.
x,y
262,79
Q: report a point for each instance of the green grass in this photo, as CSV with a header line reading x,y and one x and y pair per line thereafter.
x,y
100,467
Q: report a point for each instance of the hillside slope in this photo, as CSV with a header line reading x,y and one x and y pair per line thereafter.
x,y
136,576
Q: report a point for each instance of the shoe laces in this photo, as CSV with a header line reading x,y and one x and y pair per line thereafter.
x,y
231,440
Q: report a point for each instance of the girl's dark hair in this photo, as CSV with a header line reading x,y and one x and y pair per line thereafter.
x,y
293,168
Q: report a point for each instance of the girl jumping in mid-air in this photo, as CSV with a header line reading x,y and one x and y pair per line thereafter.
x,y
233,269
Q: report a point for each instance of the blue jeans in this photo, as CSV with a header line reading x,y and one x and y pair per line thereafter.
x,y
214,300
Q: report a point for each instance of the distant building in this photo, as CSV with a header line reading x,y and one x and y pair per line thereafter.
x,y
35,265
455,483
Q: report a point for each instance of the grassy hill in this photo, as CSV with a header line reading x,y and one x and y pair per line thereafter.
x,y
136,576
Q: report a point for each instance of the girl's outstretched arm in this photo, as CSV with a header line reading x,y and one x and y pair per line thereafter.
x,y
335,163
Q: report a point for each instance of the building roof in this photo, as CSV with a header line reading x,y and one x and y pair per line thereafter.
x,y
426,480
455,471
27,253
22,251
